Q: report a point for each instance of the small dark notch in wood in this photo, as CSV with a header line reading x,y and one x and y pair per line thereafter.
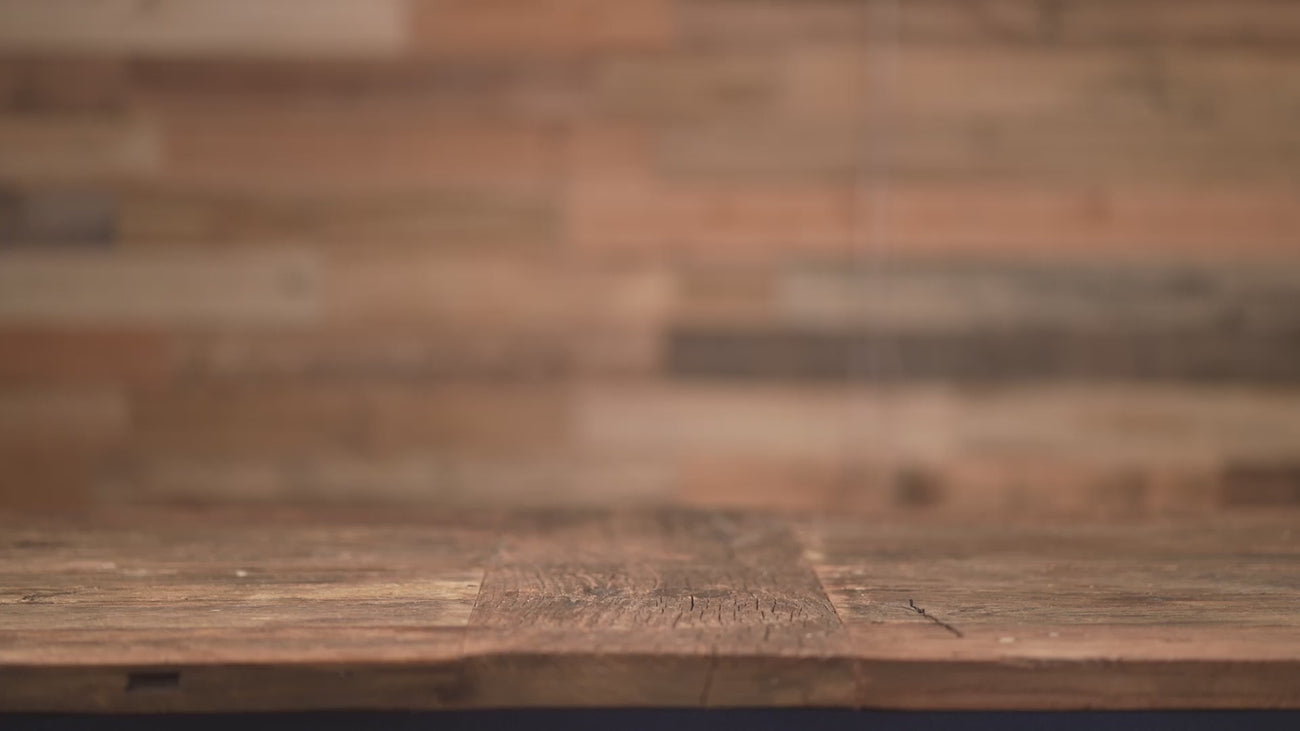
x,y
934,619
153,680
39,597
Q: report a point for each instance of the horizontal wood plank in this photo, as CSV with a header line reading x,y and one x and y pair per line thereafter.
x,y
196,28
104,290
533,28
302,420
213,611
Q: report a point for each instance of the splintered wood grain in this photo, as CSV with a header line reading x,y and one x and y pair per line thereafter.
x,y
1017,610
316,601
716,596
187,27
229,610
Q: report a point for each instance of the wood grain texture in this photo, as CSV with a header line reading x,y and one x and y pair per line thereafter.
x,y
226,610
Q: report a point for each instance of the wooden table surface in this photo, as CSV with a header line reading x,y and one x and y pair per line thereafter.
x,y
202,610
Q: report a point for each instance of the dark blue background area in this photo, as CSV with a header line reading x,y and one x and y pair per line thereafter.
x,y
668,720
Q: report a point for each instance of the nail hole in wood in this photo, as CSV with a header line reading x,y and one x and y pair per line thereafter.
x,y
153,680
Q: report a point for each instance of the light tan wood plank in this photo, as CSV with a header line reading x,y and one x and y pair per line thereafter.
x,y
516,294
259,290
1115,424
61,149
197,28
443,477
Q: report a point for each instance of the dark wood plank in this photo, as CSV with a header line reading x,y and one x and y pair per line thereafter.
x,y
170,610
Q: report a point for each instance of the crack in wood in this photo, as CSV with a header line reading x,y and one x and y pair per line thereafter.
x,y
934,619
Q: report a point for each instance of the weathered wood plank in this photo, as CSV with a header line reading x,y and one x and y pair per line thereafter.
x,y
337,145
1114,424
1101,22
46,85
59,149
325,609
516,293
187,27
83,217
1205,354
532,28
266,418
33,355
69,288
495,87
454,220
414,476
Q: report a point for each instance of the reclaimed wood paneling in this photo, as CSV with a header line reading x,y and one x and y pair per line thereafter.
x,y
933,256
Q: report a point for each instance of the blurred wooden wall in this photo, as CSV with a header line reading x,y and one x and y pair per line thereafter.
x,y
986,256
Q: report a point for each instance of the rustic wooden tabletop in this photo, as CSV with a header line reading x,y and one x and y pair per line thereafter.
x,y
281,609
